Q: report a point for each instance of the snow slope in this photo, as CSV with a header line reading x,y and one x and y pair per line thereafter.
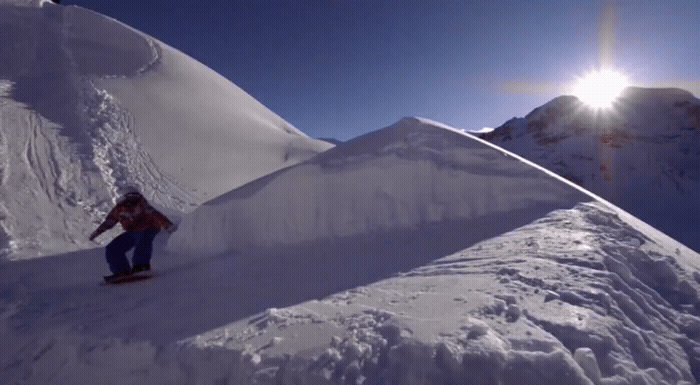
x,y
643,156
551,288
88,105
587,295
412,177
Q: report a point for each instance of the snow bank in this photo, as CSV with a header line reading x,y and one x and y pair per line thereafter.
x,y
406,177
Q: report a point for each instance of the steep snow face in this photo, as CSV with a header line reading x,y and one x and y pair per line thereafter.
x,y
227,137
582,293
408,177
643,156
88,104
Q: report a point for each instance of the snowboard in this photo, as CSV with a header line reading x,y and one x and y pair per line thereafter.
x,y
140,276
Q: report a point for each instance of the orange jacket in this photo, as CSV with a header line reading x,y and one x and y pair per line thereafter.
x,y
135,214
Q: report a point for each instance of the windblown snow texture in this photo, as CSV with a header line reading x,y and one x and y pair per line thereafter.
x,y
643,155
88,105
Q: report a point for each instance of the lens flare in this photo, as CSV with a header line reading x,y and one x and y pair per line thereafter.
x,y
599,89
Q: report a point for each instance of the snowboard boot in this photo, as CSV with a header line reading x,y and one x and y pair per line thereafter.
x,y
139,268
117,277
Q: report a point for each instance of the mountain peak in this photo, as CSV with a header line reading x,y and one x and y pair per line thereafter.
x,y
633,92
642,155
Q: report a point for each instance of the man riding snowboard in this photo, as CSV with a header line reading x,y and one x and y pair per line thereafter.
x,y
141,223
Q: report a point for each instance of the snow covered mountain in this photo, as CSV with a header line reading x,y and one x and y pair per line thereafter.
x,y
89,105
412,255
643,156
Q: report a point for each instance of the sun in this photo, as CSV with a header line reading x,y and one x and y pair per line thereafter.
x,y
599,89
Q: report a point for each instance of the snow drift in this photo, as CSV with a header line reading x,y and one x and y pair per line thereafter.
x,y
407,178
88,105
643,155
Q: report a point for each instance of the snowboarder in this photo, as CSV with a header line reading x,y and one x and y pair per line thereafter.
x,y
141,223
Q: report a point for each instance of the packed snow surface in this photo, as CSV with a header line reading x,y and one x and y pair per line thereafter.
x,y
643,155
89,105
580,296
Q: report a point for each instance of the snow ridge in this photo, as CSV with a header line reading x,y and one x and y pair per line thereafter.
x,y
406,177
534,287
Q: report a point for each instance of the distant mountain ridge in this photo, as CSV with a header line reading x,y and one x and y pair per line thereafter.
x,y
643,155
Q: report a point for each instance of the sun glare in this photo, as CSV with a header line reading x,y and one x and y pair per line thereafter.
x,y
599,89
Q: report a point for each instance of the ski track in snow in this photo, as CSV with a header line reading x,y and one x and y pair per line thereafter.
x,y
570,298
102,106
78,145
578,296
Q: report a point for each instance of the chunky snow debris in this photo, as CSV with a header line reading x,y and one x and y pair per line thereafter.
x,y
643,155
626,312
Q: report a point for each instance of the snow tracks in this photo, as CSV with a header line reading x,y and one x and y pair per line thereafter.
x,y
578,297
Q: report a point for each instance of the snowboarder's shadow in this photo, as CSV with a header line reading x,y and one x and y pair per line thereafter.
x,y
276,277
193,294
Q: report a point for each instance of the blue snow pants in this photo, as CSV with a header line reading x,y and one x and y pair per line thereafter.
x,y
141,241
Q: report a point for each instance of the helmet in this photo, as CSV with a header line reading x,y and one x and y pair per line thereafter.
x,y
127,192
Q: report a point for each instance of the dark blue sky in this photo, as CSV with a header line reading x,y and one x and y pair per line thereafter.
x,y
340,68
